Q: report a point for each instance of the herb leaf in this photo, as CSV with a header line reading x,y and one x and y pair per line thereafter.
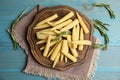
x,y
14,41
59,36
101,27
107,7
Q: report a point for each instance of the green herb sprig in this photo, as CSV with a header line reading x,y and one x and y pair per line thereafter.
x,y
59,36
107,7
14,23
102,28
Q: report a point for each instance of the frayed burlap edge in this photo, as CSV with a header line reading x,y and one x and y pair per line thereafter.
x,y
60,76
92,69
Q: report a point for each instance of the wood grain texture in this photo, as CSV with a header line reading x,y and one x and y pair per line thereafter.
x,y
11,10
12,62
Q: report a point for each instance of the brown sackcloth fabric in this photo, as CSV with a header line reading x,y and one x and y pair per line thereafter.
x,y
81,72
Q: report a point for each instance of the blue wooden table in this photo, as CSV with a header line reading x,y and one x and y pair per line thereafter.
x,y
13,62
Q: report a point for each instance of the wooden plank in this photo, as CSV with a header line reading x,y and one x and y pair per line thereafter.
x,y
19,76
110,58
14,61
22,76
107,76
10,59
108,69
9,12
106,58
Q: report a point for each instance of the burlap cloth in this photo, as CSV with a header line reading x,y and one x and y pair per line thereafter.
x,y
81,72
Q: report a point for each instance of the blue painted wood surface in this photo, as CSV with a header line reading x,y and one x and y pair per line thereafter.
x,y
13,62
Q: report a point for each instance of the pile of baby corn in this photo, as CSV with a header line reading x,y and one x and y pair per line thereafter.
x,y
62,37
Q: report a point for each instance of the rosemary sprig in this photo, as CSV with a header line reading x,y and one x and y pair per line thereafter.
x,y
103,25
14,23
102,28
107,7
58,37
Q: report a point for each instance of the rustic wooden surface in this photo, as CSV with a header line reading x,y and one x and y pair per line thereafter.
x,y
13,62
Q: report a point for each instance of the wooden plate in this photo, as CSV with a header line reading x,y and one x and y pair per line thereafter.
x,y
35,49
